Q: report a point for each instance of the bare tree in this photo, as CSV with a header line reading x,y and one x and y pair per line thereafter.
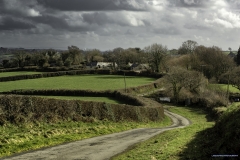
x,y
75,54
212,62
230,49
188,47
179,78
232,77
238,57
94,55
156,54
20,58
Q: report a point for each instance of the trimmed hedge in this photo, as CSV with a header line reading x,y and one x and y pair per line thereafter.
x,y
143,73
128,99
32,68
19,109
74,72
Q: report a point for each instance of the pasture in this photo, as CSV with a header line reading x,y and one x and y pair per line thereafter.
x,y
223,87
8,74
84,82
95,99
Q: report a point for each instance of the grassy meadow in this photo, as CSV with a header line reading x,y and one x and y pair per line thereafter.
x,y
8,74
223,87
95,99
92,82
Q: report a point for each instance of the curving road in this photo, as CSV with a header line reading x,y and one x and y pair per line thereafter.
x,y
102,147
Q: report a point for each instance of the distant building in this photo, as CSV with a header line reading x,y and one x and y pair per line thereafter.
x,y
100,65
138,67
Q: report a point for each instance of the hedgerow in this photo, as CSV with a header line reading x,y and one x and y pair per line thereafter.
x,y
53,74
18,109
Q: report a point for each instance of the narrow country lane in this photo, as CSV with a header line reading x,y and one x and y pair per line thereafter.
x,y
102,147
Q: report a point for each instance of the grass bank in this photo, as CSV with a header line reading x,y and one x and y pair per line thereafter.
x,y
15,139
92,82
171,144
222,141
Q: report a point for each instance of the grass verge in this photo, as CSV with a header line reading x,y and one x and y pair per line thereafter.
x,y
171,144
15,139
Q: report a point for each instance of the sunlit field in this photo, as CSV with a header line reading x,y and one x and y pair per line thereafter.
x,y
7,74
92,82
95,99
223,87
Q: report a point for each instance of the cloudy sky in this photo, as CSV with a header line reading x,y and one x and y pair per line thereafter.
x,y
107,24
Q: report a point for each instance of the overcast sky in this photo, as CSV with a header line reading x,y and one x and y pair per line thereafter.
x,y
107,24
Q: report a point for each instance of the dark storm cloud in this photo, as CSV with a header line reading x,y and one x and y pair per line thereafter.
x,y
10,23
52,21
102,18
17,7
59,23
190,3
50,13
99,18
94,5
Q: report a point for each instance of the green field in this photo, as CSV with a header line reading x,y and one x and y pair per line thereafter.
x,y
227,52
7,74
93,82
95,99
223,87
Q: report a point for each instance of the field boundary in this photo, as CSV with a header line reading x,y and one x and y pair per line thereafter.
x,y
77,72
20,109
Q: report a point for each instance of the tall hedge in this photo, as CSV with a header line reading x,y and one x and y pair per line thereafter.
x,y
19,109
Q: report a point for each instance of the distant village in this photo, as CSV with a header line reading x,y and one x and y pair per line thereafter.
x,y
154,58
21,57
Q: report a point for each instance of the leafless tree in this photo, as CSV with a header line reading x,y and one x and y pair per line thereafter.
x,y
188,47
156,54
179,78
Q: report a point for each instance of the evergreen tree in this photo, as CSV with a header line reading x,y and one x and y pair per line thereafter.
x,y
238,57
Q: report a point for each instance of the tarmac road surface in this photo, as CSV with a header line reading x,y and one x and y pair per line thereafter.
x,y
102,147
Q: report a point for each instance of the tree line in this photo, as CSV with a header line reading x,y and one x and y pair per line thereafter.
x,y
211,61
